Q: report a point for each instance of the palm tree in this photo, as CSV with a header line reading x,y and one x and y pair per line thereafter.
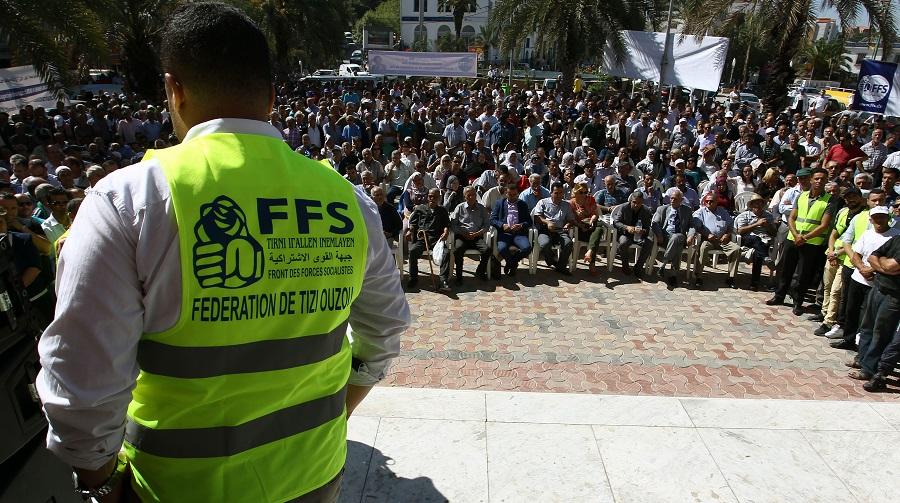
x,y
54,36
311,30
787,23
134,26
578,30
488,37
823,55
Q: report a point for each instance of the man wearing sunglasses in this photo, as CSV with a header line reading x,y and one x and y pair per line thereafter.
x,y
58,222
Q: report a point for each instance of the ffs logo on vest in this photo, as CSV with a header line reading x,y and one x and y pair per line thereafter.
x,y
226,255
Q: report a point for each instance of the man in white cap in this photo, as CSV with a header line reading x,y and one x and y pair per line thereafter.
x,y
682,137
581,152
861,280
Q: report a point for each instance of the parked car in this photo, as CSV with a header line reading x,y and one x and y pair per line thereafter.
x,y
356,57
323,73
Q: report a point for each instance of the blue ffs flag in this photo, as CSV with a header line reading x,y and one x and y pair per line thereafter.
x,y
877,90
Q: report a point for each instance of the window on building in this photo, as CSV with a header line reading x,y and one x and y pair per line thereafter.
x,y
420,33
443,30
468,34
424,5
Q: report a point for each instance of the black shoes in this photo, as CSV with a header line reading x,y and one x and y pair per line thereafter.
x,y
877,383
775,301
698,283
797,310
730,283
564,271
844,344
444,287
412,283
822,330
672,282
816,317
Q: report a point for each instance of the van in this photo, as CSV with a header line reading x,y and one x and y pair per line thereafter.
x,y
351,70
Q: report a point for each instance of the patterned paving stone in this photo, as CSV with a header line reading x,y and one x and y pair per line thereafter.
x,y
613,335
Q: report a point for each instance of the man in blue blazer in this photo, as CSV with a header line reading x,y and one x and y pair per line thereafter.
x,y
513,220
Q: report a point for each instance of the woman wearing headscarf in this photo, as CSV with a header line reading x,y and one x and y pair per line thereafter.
x,y
722,189
416,194
651,164
452,195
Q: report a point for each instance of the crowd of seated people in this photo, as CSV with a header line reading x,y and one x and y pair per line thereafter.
x,y
663,186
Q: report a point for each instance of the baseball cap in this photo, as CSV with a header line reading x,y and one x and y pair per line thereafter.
x,y
729,114
682,120
586,142
548,116
679,161
770,130
850,191
804,172
879,210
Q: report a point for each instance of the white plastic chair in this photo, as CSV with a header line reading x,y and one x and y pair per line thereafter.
x,y
493,235
606,242
451,245
742,200
536,252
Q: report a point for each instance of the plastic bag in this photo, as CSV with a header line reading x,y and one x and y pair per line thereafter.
x,y
439,253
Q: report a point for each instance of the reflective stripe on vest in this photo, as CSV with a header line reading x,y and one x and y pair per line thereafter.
x,y
230,440
244,398
810,217
278,354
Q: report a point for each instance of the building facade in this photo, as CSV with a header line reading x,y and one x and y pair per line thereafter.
x,y
437,21
858,51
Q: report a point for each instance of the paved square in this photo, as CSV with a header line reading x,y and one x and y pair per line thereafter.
x,y
609,334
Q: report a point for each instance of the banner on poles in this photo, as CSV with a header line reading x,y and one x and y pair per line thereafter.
x,y
692,63
424,64
20,86
878,90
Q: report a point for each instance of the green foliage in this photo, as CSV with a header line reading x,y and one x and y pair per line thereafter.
x,y
577,30
823,59
782,28
385,16
60,38
449,43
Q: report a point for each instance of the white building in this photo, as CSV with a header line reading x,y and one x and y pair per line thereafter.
x,y
437,20
825,29
858,51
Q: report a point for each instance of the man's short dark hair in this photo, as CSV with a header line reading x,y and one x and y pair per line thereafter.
x,y
216,49
556,185
892,170
819,170
56,191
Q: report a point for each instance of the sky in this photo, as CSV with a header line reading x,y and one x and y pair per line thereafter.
x,y
861,20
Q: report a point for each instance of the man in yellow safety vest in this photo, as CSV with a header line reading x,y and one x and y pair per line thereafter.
x,y
224,304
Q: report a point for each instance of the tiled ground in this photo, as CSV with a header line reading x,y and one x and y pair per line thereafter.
x,y
600,334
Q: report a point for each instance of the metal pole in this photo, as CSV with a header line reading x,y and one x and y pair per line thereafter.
x,y
512,51
422,24
665,59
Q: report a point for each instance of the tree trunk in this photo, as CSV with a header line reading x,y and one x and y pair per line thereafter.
x,y
744,73
567,67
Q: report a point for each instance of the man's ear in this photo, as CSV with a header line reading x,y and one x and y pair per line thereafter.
x,y
174,91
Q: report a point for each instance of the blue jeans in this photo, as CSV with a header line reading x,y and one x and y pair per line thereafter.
x,y
505,241
878,344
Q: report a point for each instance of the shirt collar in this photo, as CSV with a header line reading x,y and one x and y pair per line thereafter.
x,y
239,126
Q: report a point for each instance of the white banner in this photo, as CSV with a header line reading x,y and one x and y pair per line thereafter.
x,y
20,86
424,64
691,63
